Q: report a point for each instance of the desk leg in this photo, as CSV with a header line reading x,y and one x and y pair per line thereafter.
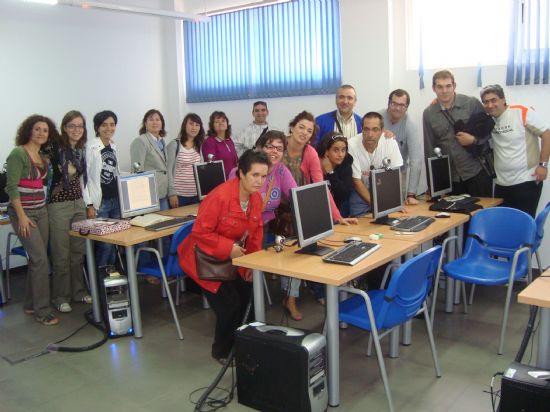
x,y
407,327
449,291
543,351
458,284
134,293
333,346
92,275
258,290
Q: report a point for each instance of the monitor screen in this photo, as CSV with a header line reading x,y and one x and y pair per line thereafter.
x,y
311,215
208,176
439,175
137,194
386,192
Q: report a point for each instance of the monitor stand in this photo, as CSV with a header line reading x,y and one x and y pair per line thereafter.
x,y
435,199
314,249
385,220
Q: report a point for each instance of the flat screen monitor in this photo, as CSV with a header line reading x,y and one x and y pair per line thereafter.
x,y
386,193
137,194
208,176
312,218
439,176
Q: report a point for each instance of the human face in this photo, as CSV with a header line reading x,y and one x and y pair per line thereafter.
x,y
192,128
260,113
274,151
39,133
445,90
336,153
494,105
220,126
153,124
397,108
74,130
253,181
302,132
345,101
107,129
372,130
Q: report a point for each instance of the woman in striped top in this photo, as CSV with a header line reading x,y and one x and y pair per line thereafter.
x,y
181,154
27,170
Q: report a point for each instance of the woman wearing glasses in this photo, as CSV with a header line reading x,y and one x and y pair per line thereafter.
x,y
219,143
336,165
66,206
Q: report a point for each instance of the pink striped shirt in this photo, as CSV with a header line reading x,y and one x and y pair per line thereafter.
x,y
184,181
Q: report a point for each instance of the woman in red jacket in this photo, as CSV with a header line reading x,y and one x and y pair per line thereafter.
x,y
229,216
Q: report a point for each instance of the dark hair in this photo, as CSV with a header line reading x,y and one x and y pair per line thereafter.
x,y
305,116
272,135
100,117
248,158
328,140
399,93
64,138
216,114
197,143
442,74
373,115
492,88
147,115
259,103
24,131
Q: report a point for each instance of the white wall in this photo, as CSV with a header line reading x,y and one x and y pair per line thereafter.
x,y
58,58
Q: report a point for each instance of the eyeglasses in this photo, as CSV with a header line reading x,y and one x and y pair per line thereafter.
x,y
75,126
339,137
398,105
280,149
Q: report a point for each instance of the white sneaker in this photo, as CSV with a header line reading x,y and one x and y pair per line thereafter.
x,y
64,308
86,299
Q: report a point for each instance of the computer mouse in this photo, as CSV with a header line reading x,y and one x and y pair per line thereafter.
x,y
352,239
443,214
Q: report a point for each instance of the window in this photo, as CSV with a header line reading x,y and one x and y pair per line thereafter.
x,y
288,49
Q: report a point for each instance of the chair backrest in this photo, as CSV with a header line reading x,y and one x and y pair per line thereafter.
x,y
540,220
172,265
408,288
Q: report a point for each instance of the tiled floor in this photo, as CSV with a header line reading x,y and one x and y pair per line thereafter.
x,y
159,372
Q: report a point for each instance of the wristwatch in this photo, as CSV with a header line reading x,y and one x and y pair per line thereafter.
x,y
544,164
330,173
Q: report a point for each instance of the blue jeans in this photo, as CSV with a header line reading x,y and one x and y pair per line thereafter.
x,y
187,200
105,253
357,206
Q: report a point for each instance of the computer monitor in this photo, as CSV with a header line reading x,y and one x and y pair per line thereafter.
x,y
311,216
208,176
137,194
439,176
385,186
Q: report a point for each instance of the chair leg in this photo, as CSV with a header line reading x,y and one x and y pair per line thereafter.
x,y
463,287
170,300
505,317
205,304
434,297
382,367
539,263
432,342
369,345
267,291
472,291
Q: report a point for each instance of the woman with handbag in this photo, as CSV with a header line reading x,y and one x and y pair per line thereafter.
x,y
228,225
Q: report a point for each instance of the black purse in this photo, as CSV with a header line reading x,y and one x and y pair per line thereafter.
x,y
211,268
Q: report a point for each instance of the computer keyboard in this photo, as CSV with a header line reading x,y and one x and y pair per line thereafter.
x,y
177,221
413,224
351,253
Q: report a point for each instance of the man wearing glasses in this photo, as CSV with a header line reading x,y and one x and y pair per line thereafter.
x,y
343,120
406,134
369,152
249,137
520,165
441,120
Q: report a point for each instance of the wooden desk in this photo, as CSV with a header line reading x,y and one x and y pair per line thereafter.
x,y
313,268
128,239
538,294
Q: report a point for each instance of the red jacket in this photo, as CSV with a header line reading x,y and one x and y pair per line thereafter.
x,y
220,223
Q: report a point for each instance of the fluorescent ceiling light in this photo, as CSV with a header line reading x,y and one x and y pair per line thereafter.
x,y
252,5
50,2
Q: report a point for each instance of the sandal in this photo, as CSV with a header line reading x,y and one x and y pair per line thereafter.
x,y
290,306
48,320
152,280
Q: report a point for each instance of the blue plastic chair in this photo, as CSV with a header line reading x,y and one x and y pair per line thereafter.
x,y
540,220
383,310
497,252
161,267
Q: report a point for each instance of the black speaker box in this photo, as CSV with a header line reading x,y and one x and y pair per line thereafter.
x,y
525,388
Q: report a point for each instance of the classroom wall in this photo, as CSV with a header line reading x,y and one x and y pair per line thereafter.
x,y
58,58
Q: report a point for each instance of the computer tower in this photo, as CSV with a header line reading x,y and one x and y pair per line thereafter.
x,y
525,388
281,369
115,304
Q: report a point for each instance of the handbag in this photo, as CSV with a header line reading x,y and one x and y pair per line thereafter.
x,y
211,268
281,224
100,226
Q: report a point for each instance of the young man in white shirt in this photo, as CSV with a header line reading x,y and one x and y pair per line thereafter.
x,y
520,165
249,136
369,152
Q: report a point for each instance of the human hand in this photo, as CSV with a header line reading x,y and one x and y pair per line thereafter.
x,y
247,275
237,251
173,200
411,200
540,174
326,164
465,139
388,134
90,212
25,225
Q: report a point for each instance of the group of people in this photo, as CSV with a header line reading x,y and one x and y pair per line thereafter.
x,y
262,165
